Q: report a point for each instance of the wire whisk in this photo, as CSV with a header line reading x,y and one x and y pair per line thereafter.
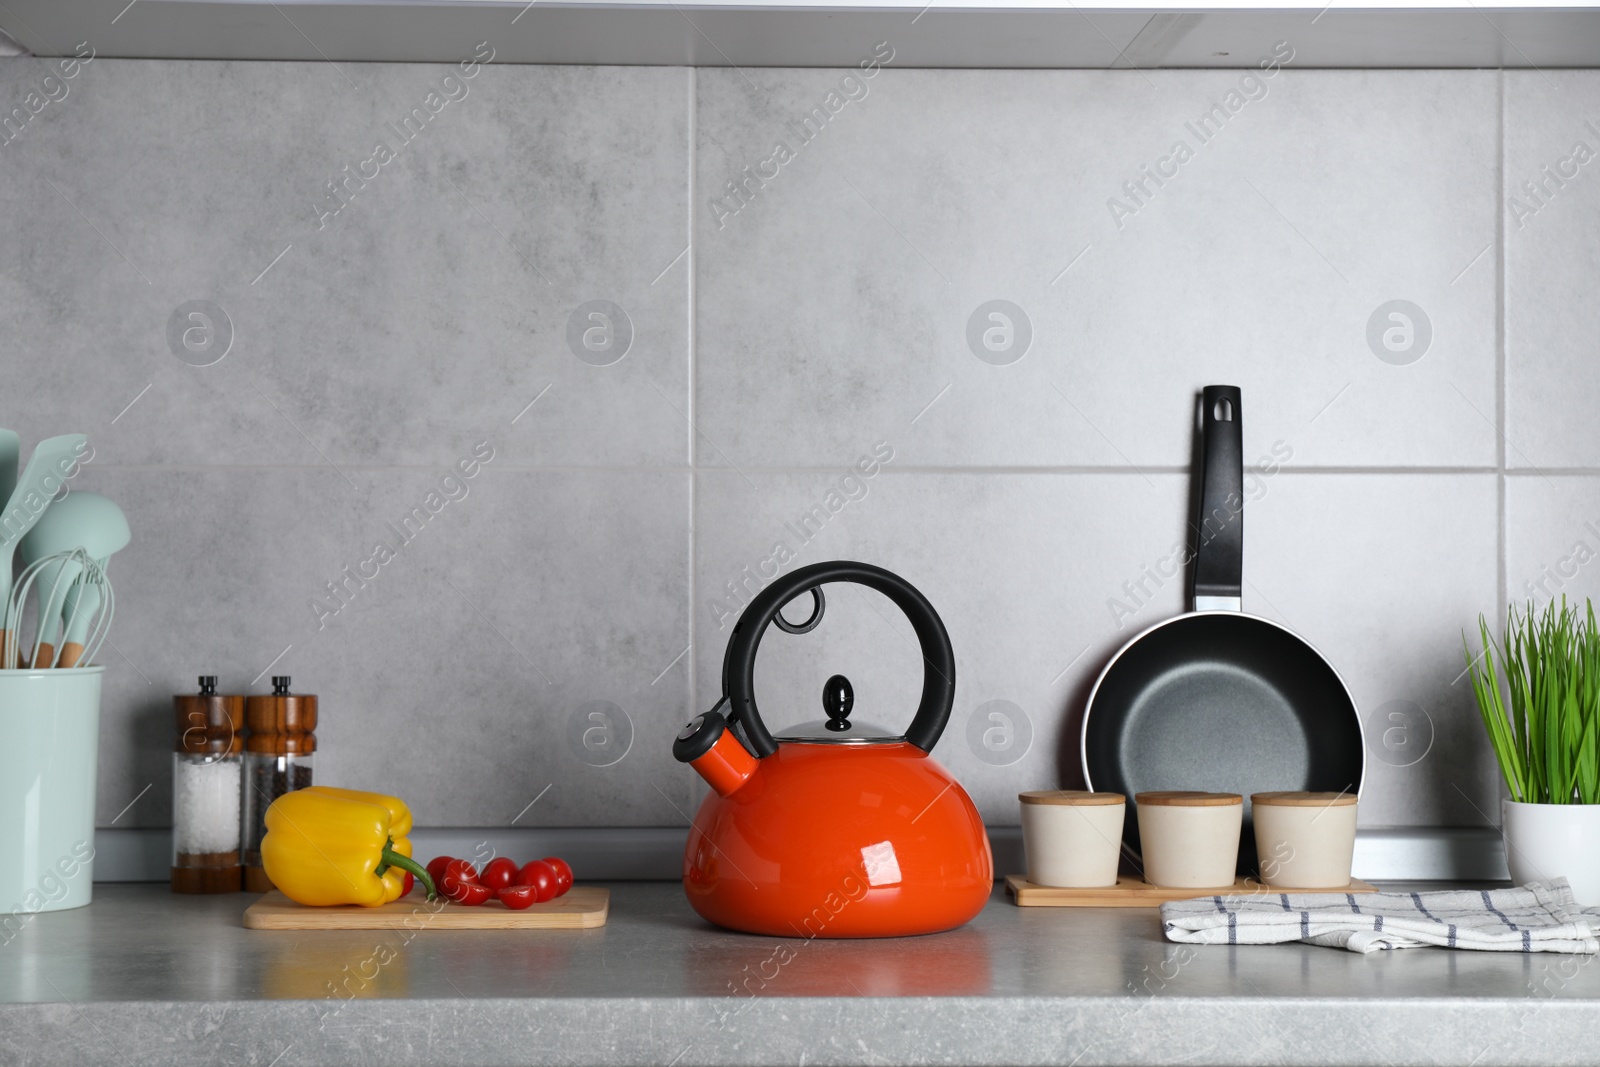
x,y
84,608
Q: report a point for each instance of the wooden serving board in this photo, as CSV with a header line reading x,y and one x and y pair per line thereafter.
x,y
580,908
1132,892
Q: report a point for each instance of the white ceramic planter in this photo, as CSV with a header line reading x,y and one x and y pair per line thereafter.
x,y
1545,841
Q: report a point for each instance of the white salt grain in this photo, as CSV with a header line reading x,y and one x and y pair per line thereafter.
x,y
205,805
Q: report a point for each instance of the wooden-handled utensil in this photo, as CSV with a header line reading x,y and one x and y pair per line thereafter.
x,y
47,469
81,520
81,609
30,576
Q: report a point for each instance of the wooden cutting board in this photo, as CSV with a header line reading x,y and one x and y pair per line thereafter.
x,y
582,907
1132,892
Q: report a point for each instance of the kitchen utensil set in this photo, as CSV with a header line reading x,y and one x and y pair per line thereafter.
x,y
39,482
63,546
80,520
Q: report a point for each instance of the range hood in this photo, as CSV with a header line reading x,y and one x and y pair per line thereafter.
x,y
1059,34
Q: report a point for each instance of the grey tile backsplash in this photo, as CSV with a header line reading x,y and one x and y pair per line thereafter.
x,y
664,313
1552,256
846,295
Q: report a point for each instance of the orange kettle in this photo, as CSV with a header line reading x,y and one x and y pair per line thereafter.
x,y
834,829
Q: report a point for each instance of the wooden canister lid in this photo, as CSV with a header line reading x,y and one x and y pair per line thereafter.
x,y
1304,800
1076,797
1182,798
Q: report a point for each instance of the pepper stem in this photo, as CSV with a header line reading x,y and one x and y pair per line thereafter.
x,y
391,858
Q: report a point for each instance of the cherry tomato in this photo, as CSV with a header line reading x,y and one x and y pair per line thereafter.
x,y
563,873
542,877
410,881
436,866
517,897
500,873
457,873
468,893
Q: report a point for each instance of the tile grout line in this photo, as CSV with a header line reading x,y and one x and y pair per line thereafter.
x,y
692,95
1502,563
897,470
689,264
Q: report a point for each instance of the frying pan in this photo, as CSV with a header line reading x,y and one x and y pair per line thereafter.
x,y
1217,699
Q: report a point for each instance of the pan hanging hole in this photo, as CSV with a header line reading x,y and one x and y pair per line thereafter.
x,y
1222,411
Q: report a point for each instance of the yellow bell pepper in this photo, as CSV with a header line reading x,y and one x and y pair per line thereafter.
x,y
340,846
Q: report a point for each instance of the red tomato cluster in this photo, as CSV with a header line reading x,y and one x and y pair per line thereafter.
x,y
515,887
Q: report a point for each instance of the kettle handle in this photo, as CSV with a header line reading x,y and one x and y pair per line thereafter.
x,y
938,658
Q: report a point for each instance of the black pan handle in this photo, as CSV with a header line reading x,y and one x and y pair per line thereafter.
x,y
938,658
1219,538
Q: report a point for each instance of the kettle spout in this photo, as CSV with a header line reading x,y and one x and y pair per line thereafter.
x,y
713,750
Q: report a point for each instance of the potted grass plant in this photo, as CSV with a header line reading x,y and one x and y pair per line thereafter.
x,y
1538,690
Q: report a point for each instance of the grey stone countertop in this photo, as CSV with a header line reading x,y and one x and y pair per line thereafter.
x,y
144,977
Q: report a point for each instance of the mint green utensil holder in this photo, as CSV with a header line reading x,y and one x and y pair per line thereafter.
x,y
49,750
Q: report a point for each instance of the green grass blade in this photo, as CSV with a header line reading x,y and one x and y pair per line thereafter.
x,y
1538,694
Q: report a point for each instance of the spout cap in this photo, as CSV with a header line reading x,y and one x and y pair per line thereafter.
x,y
714,752
698,737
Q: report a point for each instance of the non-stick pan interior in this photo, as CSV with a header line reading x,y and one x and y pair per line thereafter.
x,y
1222,702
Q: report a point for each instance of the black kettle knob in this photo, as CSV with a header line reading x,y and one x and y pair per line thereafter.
x,y
837,700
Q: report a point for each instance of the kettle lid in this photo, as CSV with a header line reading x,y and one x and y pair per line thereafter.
x,y
838,697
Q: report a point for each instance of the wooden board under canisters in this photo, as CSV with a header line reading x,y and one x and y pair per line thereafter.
x,y
1133,892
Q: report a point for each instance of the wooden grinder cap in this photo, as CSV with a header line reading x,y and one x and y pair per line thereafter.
x,y
207,723
281,722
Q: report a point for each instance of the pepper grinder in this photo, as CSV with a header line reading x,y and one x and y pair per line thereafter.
x,y
277,760
207,783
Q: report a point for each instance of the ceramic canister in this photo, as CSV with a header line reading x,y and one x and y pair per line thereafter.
x,y
1072,838
1305,840
1190,840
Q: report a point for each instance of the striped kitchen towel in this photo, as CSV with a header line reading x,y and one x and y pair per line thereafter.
x,y
1538,917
